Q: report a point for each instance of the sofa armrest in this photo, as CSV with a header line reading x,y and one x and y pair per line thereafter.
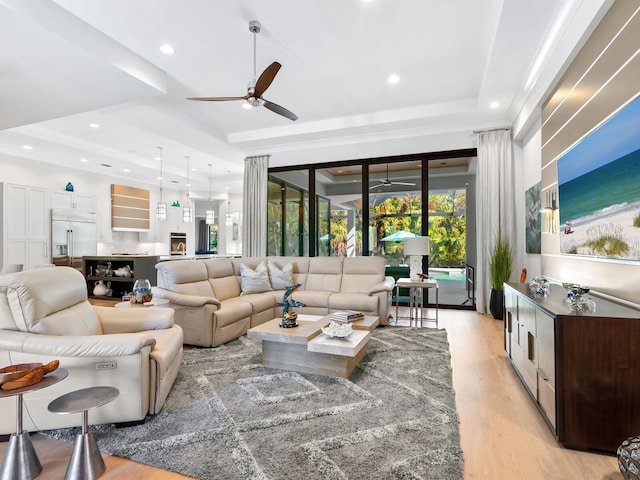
x,y
75,346
134,320
385,286
185,300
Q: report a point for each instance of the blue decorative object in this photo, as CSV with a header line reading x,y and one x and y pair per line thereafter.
x,y
69,187
289,318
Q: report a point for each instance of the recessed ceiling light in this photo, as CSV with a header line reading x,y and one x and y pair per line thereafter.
x,y
27,147
494,104
339,171
94,125
393,79
126,170
167,49
84,160
194,169
246,106
156,158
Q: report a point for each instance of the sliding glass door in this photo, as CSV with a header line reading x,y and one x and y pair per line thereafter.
x,y
367,207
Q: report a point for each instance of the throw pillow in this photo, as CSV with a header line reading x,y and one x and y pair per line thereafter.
x,y
254,281
280,279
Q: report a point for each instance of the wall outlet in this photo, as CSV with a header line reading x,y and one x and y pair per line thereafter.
x,y
106,366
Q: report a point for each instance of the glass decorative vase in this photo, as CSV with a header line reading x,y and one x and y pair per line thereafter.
x,y
576,299
142,291
629,458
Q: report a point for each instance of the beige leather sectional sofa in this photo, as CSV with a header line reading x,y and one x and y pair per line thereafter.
x,y
213,307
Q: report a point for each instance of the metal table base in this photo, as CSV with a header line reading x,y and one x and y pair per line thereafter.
x,y
416,298
86,462
20,460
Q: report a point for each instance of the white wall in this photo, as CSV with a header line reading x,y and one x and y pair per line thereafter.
x,y
527,162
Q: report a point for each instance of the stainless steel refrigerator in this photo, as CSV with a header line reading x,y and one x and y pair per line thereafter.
x,y
74,234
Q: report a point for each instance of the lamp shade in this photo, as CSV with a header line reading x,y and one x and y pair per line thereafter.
x,y
209,217
416,246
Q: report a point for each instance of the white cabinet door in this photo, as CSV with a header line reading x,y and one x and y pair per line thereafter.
x,y
529,366
546,342
26,224
38,226
174,220
73,200
103,219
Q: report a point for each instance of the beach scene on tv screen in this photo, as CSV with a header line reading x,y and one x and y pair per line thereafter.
x,y
599,190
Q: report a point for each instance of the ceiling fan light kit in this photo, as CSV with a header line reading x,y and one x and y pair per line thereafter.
x,y
256,87
387,183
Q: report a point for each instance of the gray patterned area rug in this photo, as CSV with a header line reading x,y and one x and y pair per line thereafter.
x,y
227,417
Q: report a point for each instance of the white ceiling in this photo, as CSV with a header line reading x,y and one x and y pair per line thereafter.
x,y
68,63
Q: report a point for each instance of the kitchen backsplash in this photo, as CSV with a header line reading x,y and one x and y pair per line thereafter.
x,y
129,242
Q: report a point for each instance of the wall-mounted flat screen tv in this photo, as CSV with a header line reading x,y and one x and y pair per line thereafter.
x,y
599,190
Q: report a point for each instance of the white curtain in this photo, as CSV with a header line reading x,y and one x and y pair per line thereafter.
x,y
495,204
254,206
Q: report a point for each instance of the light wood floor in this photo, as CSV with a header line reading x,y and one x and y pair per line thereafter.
x,y
502,434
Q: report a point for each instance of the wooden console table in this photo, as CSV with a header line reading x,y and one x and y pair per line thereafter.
x,y
580,368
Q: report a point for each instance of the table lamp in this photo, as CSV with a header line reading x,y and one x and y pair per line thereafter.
x,y
415,248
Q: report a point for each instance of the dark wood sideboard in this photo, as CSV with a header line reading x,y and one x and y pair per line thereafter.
x,y
581,369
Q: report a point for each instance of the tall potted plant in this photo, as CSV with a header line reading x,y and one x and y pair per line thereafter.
x,y
501,261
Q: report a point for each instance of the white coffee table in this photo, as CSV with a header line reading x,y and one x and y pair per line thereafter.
x,y
306,349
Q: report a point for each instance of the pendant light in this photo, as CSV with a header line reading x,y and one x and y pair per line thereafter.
x,y
161,207
209,214
187,211
229,216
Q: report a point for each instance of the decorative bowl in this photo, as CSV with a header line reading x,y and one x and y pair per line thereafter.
x,y
17,371
338,330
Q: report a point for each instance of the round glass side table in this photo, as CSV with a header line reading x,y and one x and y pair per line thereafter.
x,y
86,461
20,460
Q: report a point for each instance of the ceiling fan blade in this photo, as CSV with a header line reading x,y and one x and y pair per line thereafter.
x,y
274,107
375,186
217,99
403,183
265,79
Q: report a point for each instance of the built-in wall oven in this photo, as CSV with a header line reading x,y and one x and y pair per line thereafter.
x,y
178,242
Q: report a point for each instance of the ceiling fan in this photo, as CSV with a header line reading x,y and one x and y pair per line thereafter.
x,y
256,88
387,183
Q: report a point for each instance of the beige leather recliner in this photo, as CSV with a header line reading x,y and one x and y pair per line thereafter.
x,y
45,315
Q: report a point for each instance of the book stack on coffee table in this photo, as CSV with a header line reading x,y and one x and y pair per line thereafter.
x,y
347,316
